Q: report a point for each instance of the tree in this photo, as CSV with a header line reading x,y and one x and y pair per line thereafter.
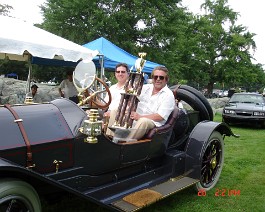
x,y
135,25
220,48
19,67
5,9
203,50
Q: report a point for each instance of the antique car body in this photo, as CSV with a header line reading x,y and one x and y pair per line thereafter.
x,y
47,154
245,108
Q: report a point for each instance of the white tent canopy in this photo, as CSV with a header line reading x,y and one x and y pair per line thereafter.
x,y
20,39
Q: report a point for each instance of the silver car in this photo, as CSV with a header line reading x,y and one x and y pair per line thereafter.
x,y
245,108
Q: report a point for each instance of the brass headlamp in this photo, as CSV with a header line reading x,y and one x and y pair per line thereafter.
x,y
92,127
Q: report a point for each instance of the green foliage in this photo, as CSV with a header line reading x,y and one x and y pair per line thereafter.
x,y
44,73
39,73
18,67
5,9
135,26
221,50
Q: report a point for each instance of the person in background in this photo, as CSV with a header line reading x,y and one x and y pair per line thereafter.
x,y
67,88
36,98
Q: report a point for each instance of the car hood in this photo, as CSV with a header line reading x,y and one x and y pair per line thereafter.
x,y
245,106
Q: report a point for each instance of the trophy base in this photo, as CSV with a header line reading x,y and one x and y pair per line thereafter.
x,y
120,131
121,134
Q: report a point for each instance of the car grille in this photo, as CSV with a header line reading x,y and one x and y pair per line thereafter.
x,y
242,113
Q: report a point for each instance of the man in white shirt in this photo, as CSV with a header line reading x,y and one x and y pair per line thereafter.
x,y
67,88
36,98
156,103
121,74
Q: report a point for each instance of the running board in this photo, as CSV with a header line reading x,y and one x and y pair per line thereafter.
x,y
145,197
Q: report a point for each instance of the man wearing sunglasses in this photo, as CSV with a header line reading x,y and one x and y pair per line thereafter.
x,y
121,74
156,103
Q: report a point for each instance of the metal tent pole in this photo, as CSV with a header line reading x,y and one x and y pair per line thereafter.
x,y
29,75
102,72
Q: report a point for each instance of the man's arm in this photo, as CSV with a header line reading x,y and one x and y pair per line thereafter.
x,y
38,99
60,92
154,117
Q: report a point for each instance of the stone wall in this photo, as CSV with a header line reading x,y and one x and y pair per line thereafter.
x,y
11,90
218,104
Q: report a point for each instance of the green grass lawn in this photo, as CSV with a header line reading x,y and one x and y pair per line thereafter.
x,y
241,186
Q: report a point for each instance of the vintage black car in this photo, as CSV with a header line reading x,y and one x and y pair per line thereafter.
x,y
55,148
245,108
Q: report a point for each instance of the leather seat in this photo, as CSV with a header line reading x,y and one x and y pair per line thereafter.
x,y
167,126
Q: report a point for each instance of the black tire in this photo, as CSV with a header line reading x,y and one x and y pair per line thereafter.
x,y
17,195
201,97
194,102
262,124
212,162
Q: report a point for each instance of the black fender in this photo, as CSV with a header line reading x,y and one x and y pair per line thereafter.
x,y
193,101
197,143
201,97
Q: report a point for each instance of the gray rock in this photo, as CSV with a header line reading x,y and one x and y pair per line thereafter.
x,y
13,91
217,104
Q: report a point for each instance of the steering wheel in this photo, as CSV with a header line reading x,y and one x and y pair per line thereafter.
x,y
91,88
97,96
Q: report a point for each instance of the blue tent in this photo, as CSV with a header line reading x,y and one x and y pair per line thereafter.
x,y
12,75
114,55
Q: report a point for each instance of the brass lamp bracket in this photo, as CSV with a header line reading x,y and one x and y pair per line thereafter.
x,y
57,164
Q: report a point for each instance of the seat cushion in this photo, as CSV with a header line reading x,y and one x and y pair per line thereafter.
x,y
167,126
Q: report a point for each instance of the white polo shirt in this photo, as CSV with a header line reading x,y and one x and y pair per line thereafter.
x,y
115,96
162,103
68,88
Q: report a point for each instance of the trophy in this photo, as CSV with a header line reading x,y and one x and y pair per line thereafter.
x,y
129,99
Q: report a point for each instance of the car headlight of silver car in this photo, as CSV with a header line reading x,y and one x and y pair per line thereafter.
x,y
229,111
259,113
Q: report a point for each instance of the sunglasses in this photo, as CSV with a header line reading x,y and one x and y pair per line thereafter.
x,y
155,77
123,72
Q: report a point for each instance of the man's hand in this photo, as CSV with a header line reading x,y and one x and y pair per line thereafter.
x,y
62,94
135,116
107,114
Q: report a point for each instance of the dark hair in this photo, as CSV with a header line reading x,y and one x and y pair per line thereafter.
x,y
69,72
160,68
34,86
123,65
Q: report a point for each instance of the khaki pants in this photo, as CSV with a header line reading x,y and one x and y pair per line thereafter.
x,y
141,127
